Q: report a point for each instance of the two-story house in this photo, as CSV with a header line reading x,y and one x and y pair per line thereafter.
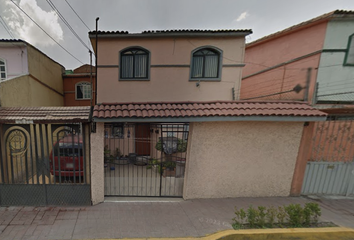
x,y
28,76
312,61
77,84
169,123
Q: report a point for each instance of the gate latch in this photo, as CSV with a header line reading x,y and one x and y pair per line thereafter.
x,y
330,167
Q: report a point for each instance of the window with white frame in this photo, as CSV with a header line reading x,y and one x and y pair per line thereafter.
x,y
349,56
83,90
134,64
206,64
2,69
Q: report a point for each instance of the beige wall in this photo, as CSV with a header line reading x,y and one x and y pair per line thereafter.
x,y
15,92
45,69
241,159
97,171
25,92
168,83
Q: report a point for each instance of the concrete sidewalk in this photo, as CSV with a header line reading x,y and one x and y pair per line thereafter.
x,y
175,218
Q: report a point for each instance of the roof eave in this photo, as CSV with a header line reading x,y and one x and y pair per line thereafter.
x,y
159,35
216,119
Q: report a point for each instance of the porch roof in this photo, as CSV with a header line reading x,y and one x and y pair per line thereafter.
x,y
206,111
27,115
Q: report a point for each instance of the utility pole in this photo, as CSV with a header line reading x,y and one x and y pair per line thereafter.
x,y
96,60
91,78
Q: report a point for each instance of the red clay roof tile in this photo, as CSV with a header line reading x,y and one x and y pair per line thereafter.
x,y
205,109
46,114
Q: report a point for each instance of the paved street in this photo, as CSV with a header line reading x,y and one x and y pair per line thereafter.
x,y
171,218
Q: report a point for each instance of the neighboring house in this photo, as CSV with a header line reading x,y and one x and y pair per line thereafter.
x,y
318,53
28,76
313,62
77,86
168,122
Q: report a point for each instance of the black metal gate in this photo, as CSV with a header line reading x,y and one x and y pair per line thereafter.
x,y
44,164
145,159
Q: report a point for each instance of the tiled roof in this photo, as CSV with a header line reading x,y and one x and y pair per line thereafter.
x,y
44,114
188,31
333,14
204,109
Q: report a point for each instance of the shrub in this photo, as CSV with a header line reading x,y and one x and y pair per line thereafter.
x,y
181,145
292,215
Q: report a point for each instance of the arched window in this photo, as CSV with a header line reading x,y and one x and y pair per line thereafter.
x,y
134,63
83,90
206,63
2,69
349,56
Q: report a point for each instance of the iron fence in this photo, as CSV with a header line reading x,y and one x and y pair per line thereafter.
x,y
145,159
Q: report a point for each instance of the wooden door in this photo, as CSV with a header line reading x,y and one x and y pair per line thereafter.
x,y
142,139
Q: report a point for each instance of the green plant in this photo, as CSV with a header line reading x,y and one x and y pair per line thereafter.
x,y
314,210
155,163
294,215
261,217
169,164
106,151
252,215
271,214
181,145
239,220
281,215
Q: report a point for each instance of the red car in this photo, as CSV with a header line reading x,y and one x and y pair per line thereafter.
x,y
68,155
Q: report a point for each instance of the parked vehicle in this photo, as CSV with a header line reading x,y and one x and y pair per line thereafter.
x,y
66,158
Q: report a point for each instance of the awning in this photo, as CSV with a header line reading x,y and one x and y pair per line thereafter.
x,y
207,111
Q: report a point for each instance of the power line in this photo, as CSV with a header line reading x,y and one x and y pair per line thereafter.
x,y
6,27
77,15
45,31
67,23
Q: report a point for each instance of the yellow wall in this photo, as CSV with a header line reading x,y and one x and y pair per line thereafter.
x,y
45,69
24,91
15,92
241,159
43,96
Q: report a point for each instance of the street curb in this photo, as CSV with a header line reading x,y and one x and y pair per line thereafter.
x,y
258,234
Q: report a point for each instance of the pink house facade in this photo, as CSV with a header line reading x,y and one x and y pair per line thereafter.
x,y
168,121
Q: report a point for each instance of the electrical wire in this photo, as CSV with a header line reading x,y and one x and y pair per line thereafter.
x,y
77,15
45,31
51,4
6,27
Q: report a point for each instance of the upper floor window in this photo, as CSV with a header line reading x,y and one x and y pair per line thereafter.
x,y
206,64
134,64
2,69
349,56
83,91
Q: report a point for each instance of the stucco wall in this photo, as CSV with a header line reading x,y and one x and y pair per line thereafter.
x,y
45,69
241,159
333,76
97,171
168,83
24,91
15,59
278,50
15,92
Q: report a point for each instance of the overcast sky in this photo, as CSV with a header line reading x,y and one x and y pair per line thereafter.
x,y
262,16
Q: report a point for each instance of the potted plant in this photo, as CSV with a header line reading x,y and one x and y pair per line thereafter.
x,y
169,169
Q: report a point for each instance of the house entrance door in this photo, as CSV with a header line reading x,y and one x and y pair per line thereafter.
x,y
142,139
